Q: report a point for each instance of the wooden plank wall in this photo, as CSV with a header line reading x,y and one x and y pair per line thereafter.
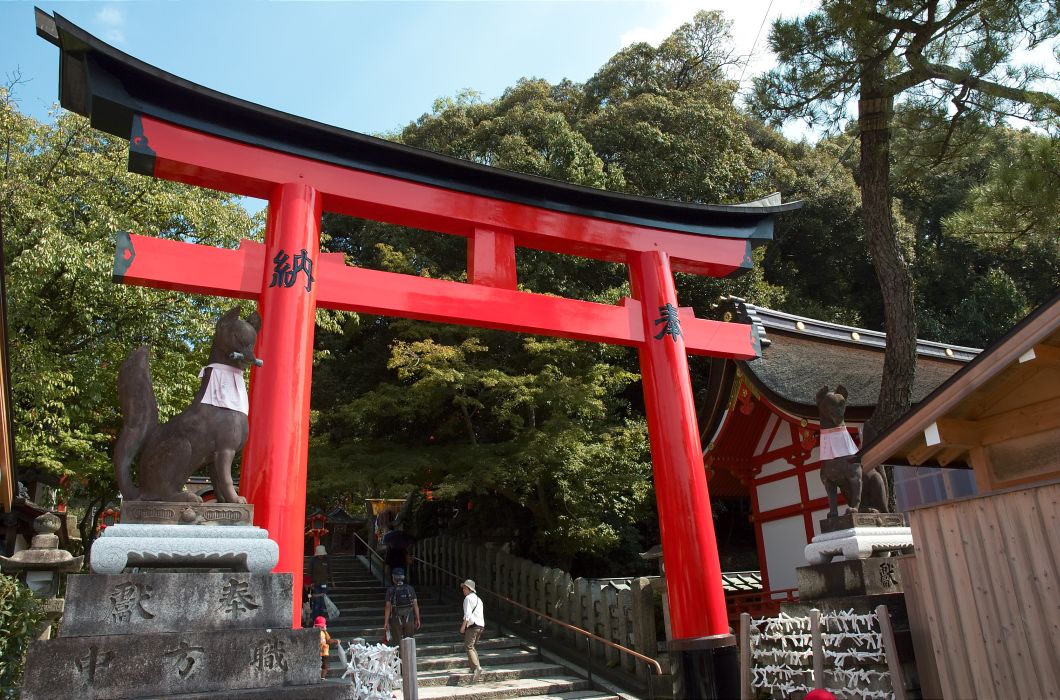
x,y
988,571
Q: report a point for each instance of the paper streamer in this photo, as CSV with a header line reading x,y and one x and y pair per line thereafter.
x,y
782,655
375,669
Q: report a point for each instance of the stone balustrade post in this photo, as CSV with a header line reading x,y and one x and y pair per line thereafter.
x,y
439,559
425,573
450,560
581,612
596,618
609,622
504,572
547,597
625,628
644,636
522,586
535,591
436,558
491,567
564,597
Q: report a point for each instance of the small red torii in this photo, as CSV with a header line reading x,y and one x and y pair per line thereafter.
x,y
187,133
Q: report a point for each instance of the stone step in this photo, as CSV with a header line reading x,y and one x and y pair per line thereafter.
x,y
368,616
427,638
487,657
351,598
340,627
358,587
368,600
368,606
462,688
442,649
503,672
424,649
370,631
589,694
439,667
343,596
512,668
481,691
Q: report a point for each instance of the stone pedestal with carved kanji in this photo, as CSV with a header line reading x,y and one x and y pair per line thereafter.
x,y
852,570
178,635
862,543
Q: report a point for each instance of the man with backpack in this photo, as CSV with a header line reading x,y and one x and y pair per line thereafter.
x,y
321,581
401,603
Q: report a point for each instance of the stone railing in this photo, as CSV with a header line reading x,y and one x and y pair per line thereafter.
x,y
623,611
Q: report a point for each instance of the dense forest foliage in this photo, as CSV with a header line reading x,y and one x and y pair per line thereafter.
x,y
535,441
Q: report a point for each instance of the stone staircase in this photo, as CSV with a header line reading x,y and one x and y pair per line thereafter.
x,y
511,666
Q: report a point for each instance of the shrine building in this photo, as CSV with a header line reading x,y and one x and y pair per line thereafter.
x,y
759,427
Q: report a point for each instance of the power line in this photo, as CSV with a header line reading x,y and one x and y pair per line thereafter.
x,y
754,45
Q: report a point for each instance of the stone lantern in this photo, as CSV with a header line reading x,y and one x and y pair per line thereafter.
x,y
40,565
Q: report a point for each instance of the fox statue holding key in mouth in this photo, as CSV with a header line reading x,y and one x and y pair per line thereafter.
x,y
211,430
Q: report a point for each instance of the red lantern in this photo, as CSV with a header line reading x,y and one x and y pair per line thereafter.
x,y
110,516
315,528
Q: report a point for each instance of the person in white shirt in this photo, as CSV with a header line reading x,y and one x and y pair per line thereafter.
x,y
472,626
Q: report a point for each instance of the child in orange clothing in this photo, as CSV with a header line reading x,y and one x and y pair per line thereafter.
x,y
325,641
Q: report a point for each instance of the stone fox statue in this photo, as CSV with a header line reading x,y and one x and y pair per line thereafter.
x,y
212,429
840,468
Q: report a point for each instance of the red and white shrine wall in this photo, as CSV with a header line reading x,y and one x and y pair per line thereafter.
x,y
775,456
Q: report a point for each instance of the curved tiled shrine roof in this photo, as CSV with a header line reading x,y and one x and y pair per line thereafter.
x,y
794,367
801,354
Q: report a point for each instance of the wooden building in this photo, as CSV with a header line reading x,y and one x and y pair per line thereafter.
x,y
983,588
760,427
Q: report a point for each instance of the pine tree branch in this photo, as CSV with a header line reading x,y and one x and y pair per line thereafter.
x,y
923,70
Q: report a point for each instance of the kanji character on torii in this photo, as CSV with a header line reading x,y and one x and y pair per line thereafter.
x,y
187,133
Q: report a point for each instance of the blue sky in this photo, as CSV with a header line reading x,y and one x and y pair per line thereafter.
x,y
367,66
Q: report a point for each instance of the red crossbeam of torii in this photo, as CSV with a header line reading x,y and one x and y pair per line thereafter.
x,y
212,140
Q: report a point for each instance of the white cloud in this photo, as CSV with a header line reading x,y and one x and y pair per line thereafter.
x,y
111,21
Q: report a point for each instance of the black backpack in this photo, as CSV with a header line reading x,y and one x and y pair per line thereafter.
x,y
403,596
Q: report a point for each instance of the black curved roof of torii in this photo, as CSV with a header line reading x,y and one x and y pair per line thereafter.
x,y
110,87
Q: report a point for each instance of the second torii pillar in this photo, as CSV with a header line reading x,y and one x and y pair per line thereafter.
x,y
703,652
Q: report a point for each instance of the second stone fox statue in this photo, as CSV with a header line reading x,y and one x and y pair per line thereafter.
x,y
211,430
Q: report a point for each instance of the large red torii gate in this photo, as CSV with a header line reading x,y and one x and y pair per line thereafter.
x,y
184,132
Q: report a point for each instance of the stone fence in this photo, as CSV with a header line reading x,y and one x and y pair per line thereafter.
x,y
623,611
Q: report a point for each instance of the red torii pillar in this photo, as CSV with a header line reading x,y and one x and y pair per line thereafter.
x,y
689,545
275,457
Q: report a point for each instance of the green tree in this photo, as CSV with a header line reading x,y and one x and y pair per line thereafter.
x,y
1014,215
20,618
929,52
64,192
